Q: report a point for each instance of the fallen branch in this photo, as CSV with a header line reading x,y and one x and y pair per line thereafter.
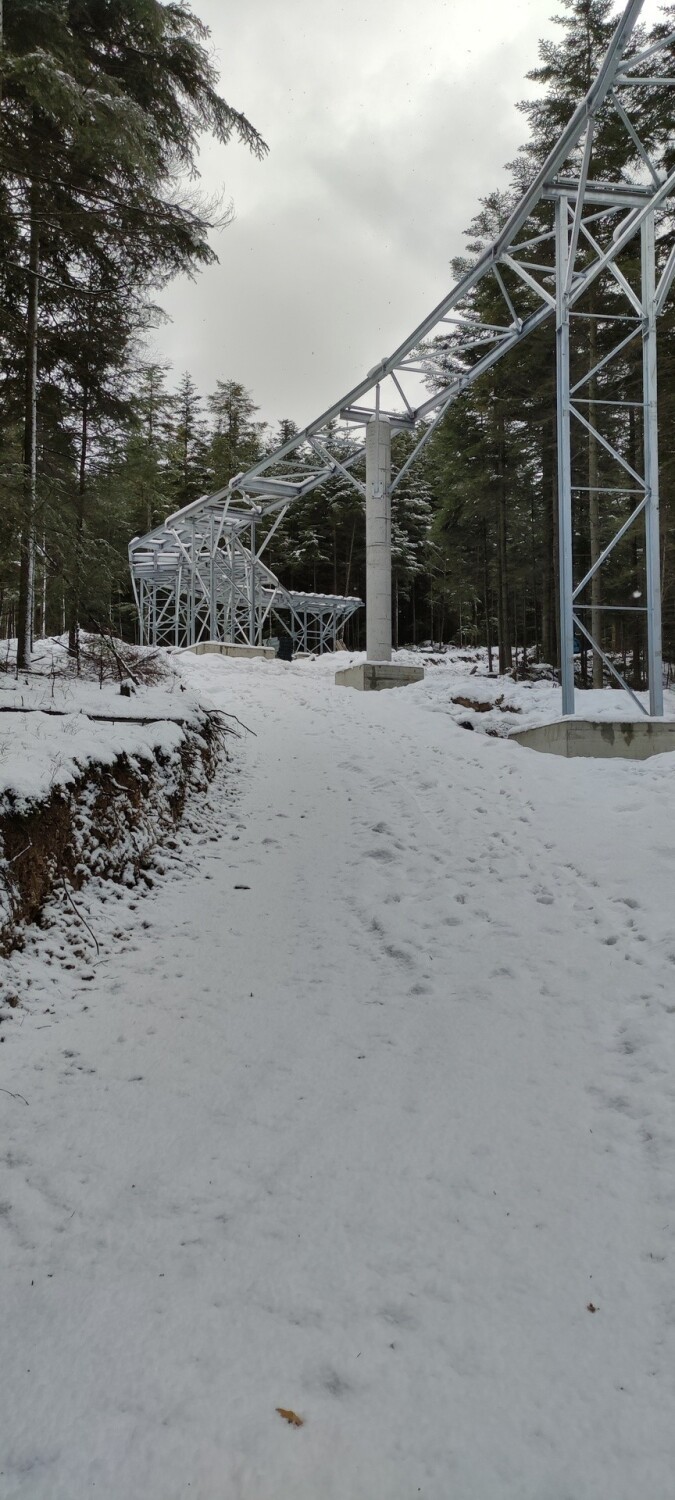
x,y
220,713
13,1096
79,916
122,666
18,856
64,713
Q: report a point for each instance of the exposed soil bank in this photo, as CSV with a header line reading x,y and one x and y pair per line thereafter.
x,y
106,822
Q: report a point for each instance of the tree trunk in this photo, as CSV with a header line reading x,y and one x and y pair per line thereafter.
x,y
505,656
349,559
43,587
76,599
535,602
486,597
186,454
27,543
515,633
548,569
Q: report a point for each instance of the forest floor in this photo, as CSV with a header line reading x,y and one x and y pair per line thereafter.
x,y
365,1111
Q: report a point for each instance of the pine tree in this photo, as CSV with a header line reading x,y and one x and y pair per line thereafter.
x,y
146,467
100,105
190,475
237,438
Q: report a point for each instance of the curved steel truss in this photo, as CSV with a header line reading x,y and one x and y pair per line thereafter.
x,y
201,577
565,248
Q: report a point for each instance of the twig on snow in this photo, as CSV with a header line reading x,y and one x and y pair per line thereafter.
x,y
21,851
13,1096
79,916
62,713
122,666
220,713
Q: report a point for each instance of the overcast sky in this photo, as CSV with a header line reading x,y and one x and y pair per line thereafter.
x,y
386,122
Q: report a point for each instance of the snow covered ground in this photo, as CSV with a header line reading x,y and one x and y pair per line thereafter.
x,y
367,1110
498,705
54,724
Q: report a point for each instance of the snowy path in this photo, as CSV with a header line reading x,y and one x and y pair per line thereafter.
x,y
371,1097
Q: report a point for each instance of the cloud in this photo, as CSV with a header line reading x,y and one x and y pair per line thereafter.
x,y
386,123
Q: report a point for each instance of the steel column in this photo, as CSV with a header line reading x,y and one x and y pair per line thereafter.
x,y
213,601
562,339
651,460
192,624
251,618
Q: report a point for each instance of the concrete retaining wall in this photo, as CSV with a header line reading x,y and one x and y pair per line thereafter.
x,y
371,676
634,739
226,648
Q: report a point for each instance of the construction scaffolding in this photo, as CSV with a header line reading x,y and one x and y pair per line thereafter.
x,y
566,251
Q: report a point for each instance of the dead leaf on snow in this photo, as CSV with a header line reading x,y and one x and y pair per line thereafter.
x,y
291,1417
590,1307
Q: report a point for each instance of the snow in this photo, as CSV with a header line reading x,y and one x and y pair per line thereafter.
x,y
454,673
39,752
361,1109
56,738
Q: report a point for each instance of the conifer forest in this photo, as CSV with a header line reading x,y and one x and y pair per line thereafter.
x,y
103,109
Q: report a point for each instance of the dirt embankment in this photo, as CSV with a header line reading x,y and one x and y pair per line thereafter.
x,y
106,822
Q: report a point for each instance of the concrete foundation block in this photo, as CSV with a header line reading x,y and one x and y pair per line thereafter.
x,y
372,676
633,739
226,648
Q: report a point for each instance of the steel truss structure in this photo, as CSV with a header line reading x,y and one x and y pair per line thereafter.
x,y
565,253
314,622
201,577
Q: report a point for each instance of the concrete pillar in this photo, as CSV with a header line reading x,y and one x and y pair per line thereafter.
x,y
378,540
379,671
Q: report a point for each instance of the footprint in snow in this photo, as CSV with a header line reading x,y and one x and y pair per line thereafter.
x,y
335,1384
